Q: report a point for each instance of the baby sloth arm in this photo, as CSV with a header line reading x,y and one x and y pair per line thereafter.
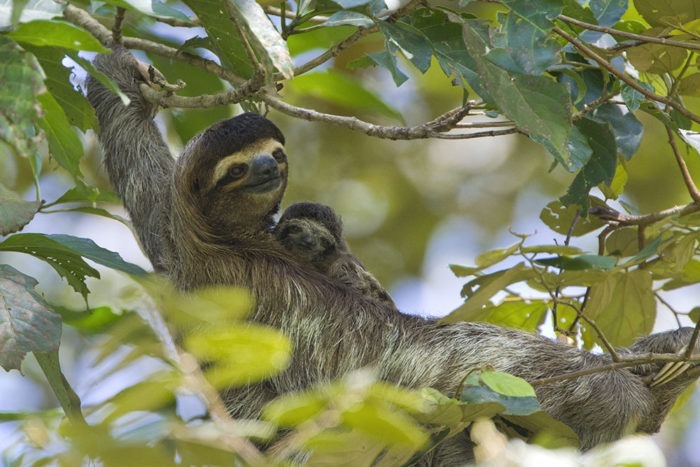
x,y
313,234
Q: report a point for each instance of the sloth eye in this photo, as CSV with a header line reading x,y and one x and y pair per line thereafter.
x,y
279,155
293,229
234,172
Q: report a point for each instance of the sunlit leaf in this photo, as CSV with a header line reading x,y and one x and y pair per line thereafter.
x,y
665,12
64,144
58,34
15,212
507,384
386,424
577,263
623,306
32,10
292,409
27,324
560,218
517,314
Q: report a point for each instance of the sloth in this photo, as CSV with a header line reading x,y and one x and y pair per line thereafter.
x,y
313,233
204,219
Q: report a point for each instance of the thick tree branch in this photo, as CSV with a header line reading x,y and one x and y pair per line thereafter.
x,y
588,52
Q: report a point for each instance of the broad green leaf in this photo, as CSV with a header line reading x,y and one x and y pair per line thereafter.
x,y
240,354
627,129
217,305
344,447
623,306
507,384
65,261
154,8
59,385
342,90
538,105
617,186
463,271
452,412
519,314
388,60
347,4
15,212
91,321
656,58
690,85
560,218
27,324
668,12
481,289
57,34
623,242
22,81
631,97
383,422
578,263
290,410
266,41
606,13
58,81
32,10
524,43
492,257
64,144
151,395
694,314
600,168
90,250
80,192
406,399
224,39
476,391
348,18
410,41
552,249
542,422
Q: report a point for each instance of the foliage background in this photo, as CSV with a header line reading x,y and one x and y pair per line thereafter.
x,y
410,208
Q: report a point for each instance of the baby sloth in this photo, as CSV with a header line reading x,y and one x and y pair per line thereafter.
x,y
314,234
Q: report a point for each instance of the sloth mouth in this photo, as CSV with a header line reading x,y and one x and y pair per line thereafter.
x,y
263,185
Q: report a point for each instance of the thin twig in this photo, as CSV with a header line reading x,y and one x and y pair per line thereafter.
x,y
693,341
687,178
637,37
622,219
624,362
587,51
272,10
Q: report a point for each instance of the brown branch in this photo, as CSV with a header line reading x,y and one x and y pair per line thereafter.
x,y
689,183
117,26
693,341
628,35
624,362
609,214
587,51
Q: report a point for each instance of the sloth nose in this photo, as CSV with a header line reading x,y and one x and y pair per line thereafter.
x,y
265,165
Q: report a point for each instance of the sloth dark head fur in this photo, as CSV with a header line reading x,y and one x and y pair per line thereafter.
x,y
236,162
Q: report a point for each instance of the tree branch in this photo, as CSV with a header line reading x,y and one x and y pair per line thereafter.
x,y
689,183
628,35
609,214
587,51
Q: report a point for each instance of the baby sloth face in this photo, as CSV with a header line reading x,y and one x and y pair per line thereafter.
x,y
307,238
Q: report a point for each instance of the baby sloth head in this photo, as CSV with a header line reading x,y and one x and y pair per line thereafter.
x,y
312,232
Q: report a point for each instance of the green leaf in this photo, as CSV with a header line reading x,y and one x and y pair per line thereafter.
x,y
600,168
22,81
388,60
524,43
481,289
240,354
665,12
348,18
224,39
627,129
623,306
476,391
58,34
64,144
271,50
463,271
92,321
538,105
32,10
694,314
410,41
58,81
90,250
579,263
560,218
59,385
342,90
606,13
64,260
519,314
542,422
290,410
507,384
347,4
15,212
492,257
27,324
383,422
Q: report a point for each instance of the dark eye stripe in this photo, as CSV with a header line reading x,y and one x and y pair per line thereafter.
x,y
279,155
235,172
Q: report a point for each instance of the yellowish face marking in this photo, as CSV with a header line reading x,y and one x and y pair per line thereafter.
x,y
266,146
